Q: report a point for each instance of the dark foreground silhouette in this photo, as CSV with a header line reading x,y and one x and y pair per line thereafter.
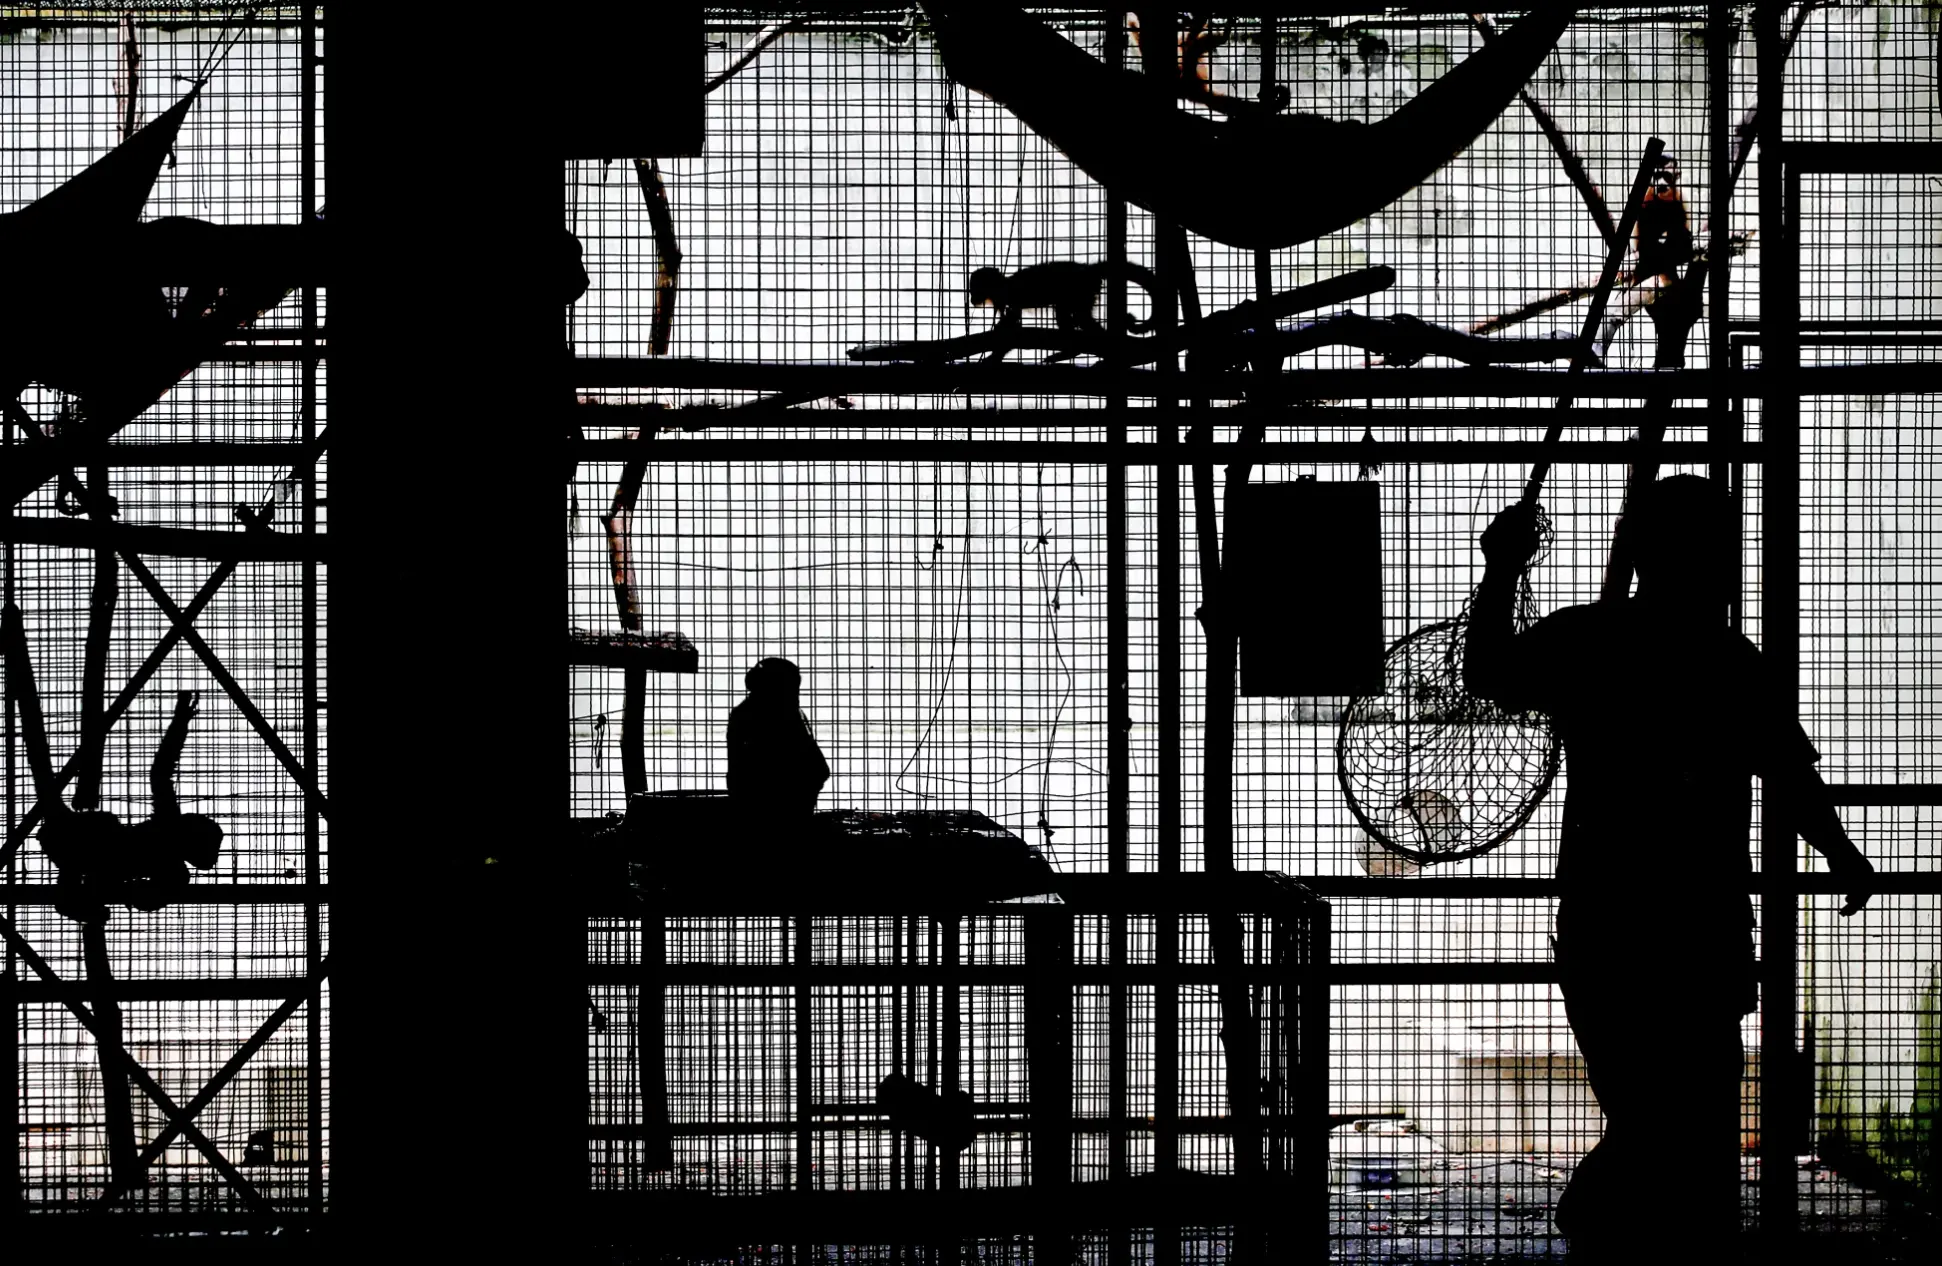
x,y
1665,713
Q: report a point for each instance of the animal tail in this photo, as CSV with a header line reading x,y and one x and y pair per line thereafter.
x,y
1156,293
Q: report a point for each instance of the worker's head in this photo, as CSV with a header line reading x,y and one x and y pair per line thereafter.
x,y
1680,535
774,678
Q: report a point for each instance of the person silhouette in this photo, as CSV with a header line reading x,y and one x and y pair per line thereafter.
x,y
775,768
1665,713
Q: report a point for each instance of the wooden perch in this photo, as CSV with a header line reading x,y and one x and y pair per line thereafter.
x,y
1675,310
753,49
618,520
667,249
1241,317
1736,245
1123,129
1745,132
1403,339
1574,166
128,77
1345,288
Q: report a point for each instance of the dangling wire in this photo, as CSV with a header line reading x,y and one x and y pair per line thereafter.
x,y
225,41
937,519
943,684
1051,591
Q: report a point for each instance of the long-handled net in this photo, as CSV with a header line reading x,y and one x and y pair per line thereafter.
x,y
1431,771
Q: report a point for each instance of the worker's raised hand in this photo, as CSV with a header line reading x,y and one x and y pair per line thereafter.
x,y
1857,875
1512,537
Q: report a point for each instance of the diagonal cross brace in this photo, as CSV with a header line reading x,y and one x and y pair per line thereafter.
x,y
17,837
117,1052
236,693
223,1076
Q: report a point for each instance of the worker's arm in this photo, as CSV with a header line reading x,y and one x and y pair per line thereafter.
x,y
1797,789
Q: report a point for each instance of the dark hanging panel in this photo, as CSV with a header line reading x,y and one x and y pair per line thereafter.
x,y
629,82
1304,570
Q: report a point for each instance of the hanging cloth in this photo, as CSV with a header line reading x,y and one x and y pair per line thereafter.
x,y
1125,131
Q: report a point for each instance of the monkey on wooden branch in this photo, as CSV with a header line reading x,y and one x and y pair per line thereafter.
x,y
1066,288
1401,340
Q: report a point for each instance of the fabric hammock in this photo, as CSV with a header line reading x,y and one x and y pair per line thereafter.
x,y
1124,130
90,323
113,189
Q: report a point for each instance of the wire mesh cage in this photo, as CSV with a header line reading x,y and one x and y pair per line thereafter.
x,y
1020,620
165,1006
735,1056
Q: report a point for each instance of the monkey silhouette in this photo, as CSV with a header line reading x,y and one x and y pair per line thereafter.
x,y
775,767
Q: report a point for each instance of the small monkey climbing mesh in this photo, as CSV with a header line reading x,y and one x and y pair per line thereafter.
x,y
1430,770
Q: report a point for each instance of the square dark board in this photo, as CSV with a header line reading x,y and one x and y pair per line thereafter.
x,y
1304,575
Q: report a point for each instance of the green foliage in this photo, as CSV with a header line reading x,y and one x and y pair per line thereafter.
x,y
1882,1149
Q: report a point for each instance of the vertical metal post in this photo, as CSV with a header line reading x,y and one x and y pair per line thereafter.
x,y
1159,56
11,1198
805,1157
312,827
1118,704
1780,605
1118,816
1719,132
1166,1000
1048,1045
1264,257
1114,54
899,1138
950,1070
11,1195
1309,1148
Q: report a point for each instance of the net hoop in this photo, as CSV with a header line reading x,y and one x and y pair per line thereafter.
x,y
1435,773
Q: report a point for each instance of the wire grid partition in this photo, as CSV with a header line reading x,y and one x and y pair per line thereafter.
x,y
221,992
849,187
772,1082
842,203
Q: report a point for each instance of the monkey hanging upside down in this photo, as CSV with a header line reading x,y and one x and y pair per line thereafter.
x,y
1070,289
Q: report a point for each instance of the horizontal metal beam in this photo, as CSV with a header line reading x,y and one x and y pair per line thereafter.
x,y
134,538
259,354
856,975
1421,887
1905,793
686,1219
1748,331
1861,158
196,894
1415,382
280,988
1386,449
213,453
871,1116
1483,888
